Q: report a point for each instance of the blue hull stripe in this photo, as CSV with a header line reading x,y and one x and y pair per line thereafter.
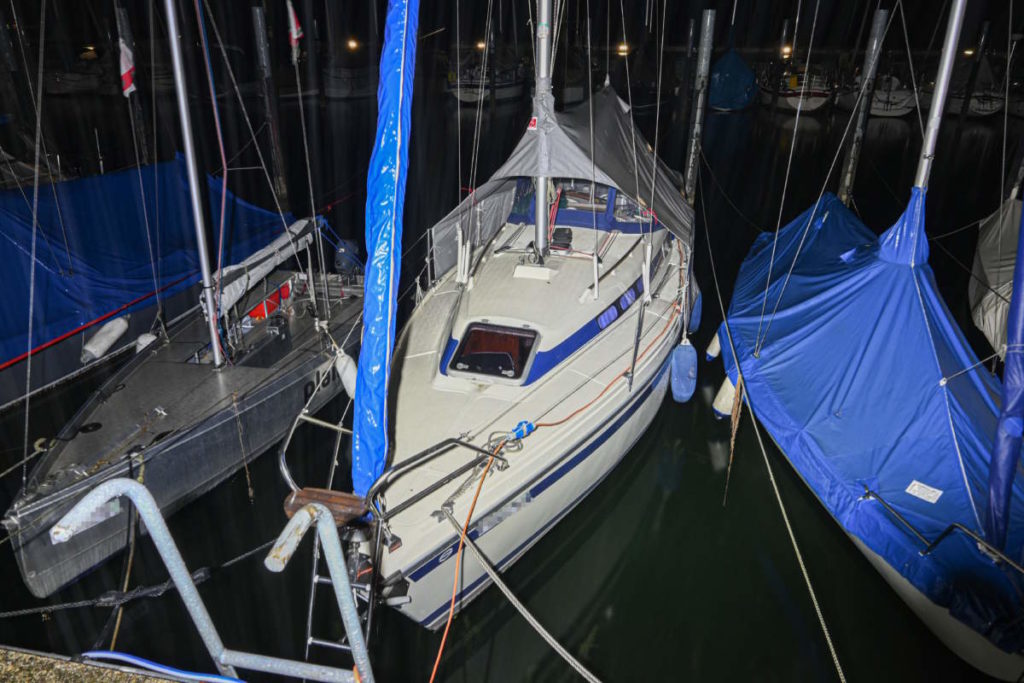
x,y
536,490
546,360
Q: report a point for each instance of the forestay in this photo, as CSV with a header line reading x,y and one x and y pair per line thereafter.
x,y
557,145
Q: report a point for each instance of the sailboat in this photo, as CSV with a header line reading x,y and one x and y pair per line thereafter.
x,y
198,402
733,83
470,80
545,341
891,97
852,362
986,98
798,90
95,271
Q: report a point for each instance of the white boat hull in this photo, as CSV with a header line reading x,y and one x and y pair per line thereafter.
x,y
886,105
594,417
967,643
471,93
568,482
812,101
964,641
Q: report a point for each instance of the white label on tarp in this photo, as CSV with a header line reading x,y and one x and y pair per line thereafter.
x,y
924,491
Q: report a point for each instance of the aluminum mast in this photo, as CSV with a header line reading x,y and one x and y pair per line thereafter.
x,y
181,91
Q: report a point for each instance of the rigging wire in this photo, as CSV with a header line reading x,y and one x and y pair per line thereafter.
x,y
792,149
224,178
759,339
910,64
629,99
35,230
593,164
145,218
1003,208
156,139
37,102
309,180
810,220
252,132
478,118
721,190
764,453
458,102
657,106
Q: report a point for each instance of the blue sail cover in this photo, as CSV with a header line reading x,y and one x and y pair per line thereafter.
x,y
106,264
733,85
865,382
1011,420
385,198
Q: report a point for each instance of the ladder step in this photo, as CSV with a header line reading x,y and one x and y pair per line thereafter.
x,y
330,644
323,580
343,506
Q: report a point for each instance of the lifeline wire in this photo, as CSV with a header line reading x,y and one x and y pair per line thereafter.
x,y
767,463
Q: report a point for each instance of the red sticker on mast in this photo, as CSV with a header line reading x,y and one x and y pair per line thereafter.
x,y
533,123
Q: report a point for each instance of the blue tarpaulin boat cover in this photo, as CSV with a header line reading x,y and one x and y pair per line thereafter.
x,y
106,263
733,85
385,198
865,382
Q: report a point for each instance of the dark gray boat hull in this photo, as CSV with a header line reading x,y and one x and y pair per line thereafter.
x,y
178,466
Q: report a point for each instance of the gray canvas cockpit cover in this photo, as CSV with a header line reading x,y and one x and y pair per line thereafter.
x,y
559,147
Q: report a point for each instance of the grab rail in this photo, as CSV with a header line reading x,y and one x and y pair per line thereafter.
x,y
81,516
424,456
930,546
304,416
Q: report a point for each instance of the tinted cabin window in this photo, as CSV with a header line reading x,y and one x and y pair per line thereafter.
x,y
495,351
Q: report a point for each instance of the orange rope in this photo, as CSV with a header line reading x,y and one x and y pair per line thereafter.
x,y
458,559
588,404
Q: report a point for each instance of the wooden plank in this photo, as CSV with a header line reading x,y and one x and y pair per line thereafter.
x,y
344,506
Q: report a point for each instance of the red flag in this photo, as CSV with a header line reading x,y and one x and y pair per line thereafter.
x,y
294,30
127,69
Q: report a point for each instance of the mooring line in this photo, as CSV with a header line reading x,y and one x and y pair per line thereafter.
x,y
764,453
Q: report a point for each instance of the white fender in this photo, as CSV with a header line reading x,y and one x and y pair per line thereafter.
x,y
714,347
722,404
144,340
104,338
346,368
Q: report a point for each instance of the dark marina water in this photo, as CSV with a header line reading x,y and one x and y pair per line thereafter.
x,y
651,577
